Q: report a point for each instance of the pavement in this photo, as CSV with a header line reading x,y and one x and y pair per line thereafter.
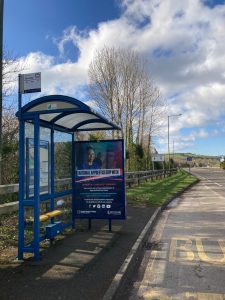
x,y
84,264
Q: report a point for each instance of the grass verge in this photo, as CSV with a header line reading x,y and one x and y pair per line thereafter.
x,y
157,192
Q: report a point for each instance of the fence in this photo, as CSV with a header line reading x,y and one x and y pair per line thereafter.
x,y
140,176
132,178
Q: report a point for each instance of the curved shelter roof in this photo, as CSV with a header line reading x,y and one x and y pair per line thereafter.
x,y
66,113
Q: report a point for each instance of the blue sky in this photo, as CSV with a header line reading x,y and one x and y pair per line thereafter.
x,y
183,41
30,25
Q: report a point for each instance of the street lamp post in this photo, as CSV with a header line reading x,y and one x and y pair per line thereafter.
x,y
169,136
173,153
169,142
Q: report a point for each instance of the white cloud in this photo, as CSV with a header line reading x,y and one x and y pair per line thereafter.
x,y
66,78
183,41
202,133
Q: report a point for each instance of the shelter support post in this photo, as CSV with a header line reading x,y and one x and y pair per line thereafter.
x,y
73,180
52,191
21,188
36,187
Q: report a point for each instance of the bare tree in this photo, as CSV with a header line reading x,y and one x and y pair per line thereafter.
x,y
114,81
9,147
105,83
11,66
122,89
155,119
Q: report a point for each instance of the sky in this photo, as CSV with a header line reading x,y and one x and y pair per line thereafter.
x,y
182,40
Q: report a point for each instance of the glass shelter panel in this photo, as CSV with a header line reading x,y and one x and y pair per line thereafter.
x,y
28,224
45,137
62,161
28,211
64,204
29,135
45,160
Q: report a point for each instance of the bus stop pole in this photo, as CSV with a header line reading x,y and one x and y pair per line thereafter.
x,y
21,188
73,180
52,187
36,187
21,176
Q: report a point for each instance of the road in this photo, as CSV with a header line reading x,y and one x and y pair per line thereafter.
x,y
185,256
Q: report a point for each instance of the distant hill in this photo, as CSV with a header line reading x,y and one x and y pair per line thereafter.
x,y
197,160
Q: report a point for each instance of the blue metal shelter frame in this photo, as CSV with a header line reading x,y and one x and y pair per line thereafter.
x,y
55,112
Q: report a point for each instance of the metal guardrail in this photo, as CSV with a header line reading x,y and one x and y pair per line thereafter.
x,y
140,176
131,179
9,188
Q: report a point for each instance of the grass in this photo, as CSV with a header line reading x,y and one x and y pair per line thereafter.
x,y
8,233
159,191
9,237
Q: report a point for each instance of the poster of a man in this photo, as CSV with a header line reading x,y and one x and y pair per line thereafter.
x,y
98,155
90,159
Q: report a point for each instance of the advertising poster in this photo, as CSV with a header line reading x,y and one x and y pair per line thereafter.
x,y
99,180
44,167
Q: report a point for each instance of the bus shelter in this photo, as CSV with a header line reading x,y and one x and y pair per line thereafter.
x,y
47,206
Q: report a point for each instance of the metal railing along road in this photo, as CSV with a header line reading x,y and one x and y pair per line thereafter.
x,y
140,176
132,178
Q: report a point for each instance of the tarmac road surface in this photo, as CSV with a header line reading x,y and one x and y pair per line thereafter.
x,y
185,256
